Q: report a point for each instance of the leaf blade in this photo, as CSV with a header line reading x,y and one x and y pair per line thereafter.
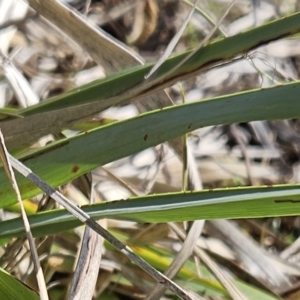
x,y
65,160
100,94
246,202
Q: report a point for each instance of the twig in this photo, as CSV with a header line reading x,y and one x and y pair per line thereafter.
x,y
173,42
4,155
218,273
85,218
207,38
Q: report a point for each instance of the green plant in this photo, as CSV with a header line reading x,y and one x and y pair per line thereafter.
x,y
69,158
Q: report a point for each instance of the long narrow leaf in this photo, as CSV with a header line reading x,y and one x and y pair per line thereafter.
x,y
250,202
11,288
65,160
126,86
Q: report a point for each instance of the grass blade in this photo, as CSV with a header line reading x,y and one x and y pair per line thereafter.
x,y
62,161
114,90
11,288
229,203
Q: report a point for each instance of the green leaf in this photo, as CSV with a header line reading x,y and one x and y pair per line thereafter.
x,y
50,117
250,202
11,288
67,159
